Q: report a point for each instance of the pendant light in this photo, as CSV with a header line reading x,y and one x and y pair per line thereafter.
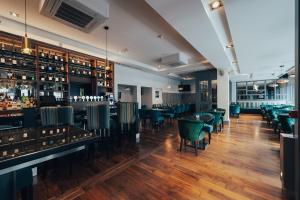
x,y
25,40
284,78
273,84
106,60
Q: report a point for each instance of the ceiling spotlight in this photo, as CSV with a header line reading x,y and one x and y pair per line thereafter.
x,y
160,36
124,50
284,78
216,4
292,76
229,46
273,85
14,14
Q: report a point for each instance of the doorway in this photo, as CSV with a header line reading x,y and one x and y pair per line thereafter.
x,y
127,93
146,97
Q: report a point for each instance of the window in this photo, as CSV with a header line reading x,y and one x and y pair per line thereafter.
x,y
263,90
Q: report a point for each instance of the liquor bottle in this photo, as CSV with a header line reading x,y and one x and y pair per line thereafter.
x,y
14,59
78,71
63,79
55,57
50,68
73,70
2,55
50,77
10,75
18,76
43,78
51,57
42,54
56,78
62,68
42,67
31,78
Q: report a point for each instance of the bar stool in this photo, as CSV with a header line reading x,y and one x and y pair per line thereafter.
x,y
65,115
49,116
98,119
128,119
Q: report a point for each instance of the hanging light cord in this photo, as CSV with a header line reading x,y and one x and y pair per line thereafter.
x,y
26,18
106,29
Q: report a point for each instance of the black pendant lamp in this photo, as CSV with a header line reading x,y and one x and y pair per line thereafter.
x,y
106,59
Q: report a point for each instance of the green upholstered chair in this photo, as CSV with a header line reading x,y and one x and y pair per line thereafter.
x,y
143,107
208,120
157,119
234,110
217,120
143,116
177,111
170,114
191,130
223,111
286,124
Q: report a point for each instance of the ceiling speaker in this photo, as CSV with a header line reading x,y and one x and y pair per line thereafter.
x,y
221,72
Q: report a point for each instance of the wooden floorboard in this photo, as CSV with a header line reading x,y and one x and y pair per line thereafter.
x,y
242,162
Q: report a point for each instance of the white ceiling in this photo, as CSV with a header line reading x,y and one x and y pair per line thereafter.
x,y
133,25
261,31
263,34
191,19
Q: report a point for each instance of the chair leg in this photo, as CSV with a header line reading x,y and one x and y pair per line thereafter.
x,y
196,147
184,145
209,138
181,141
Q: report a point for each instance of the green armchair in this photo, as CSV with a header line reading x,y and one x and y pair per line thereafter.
x,y
208,120
170,114
191,130
286,124
222,111
217,120
234,110
157,119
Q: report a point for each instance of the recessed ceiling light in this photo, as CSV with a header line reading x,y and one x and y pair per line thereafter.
x,y
216,4
124,50
229,46
14,14
160,36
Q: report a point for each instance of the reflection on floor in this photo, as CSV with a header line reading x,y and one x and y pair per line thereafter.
x,y
242,162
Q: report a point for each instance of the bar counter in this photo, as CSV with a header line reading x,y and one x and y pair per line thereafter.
x,y
24,148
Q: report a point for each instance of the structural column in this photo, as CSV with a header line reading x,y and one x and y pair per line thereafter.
x,y
223,92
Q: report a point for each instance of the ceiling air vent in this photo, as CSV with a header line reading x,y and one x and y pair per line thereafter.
x,y
84,15
175,60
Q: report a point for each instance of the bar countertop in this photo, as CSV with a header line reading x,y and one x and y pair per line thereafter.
x,y
26,147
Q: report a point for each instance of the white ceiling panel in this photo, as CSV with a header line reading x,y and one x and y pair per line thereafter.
x,y
263,34
192,21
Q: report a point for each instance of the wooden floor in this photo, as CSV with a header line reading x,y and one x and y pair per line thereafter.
x,y
242,162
